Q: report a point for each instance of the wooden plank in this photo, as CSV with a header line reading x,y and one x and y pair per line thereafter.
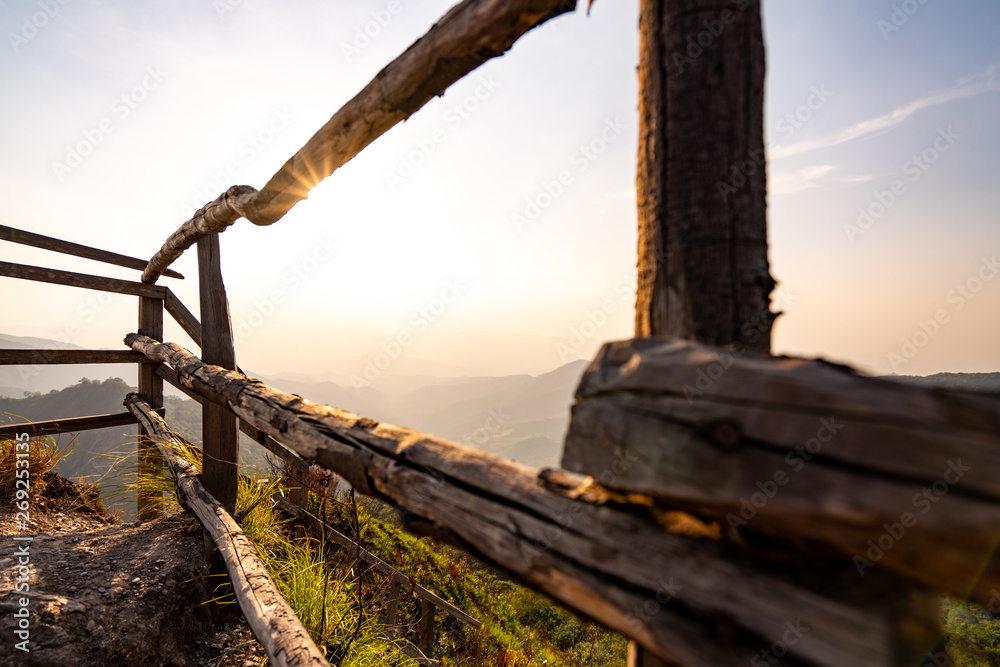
x,y
392,614
151,389
273,622
36,357
600,556
471,33
100,283
427,637
68,425
67,248
341,540
220,443
183,316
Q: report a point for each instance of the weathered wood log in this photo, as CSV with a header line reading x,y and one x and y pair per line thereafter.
x,y
39,357
43,275
610,561
339,539
885,475
218,425
295,461
151,389
470,34
273,622
67,248
69,425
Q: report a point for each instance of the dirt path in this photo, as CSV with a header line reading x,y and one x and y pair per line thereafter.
x,y
113,594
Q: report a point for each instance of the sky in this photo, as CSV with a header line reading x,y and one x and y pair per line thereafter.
x,y
450,246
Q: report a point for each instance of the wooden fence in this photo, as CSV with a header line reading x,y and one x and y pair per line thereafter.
x,y
727,507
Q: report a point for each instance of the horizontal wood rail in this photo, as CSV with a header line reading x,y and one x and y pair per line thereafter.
x,y
273,622
605,559
836,456
341,540
471,33
33,357
67,248
86,281
69,425
284,453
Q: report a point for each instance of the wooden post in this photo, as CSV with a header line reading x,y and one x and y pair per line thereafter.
x,y
151,388
426,628
219,426
640,657
703,269
392,618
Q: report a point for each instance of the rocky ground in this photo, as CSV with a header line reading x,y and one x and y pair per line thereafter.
x,y
108,593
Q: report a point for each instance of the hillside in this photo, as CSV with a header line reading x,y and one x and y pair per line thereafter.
x,y
986,382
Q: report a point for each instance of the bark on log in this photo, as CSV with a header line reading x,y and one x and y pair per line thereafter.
x,y
606,560
470,34
805,452
67,248
273,622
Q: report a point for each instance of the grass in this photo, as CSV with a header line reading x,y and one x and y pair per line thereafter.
x,y
324,598
43,455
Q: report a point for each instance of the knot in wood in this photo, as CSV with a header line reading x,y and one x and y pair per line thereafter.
x,y
726,434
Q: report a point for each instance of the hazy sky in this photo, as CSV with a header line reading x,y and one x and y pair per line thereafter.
x,y
120,118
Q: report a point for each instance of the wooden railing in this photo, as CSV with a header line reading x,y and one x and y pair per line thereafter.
x,y
713,522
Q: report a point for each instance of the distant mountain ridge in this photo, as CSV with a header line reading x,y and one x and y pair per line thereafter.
x,y
986,382
16,380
